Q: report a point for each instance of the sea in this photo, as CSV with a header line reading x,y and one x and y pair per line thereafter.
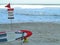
x,y
22,15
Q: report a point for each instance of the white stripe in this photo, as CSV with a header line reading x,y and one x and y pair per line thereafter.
x,y
10,36
30,6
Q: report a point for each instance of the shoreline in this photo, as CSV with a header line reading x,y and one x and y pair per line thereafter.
x,y
29,26
57,22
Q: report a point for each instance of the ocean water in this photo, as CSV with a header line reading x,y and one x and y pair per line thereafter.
x,y
31,15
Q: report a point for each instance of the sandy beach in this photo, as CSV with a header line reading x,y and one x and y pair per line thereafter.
x,y
43,33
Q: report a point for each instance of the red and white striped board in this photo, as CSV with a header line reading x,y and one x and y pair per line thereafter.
x,y
10,13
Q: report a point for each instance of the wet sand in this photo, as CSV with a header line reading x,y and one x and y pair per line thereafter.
x,y
43,33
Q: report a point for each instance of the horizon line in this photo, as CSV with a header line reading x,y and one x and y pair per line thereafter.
x,y
30,4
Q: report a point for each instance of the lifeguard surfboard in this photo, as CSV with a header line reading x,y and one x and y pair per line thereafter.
x,y
11,36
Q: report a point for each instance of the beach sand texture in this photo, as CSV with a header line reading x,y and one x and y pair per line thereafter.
x,y
43,33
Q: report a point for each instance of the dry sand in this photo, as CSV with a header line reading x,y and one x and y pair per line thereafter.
x,y
43,33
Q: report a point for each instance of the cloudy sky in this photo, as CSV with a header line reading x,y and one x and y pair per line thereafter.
x,y
30,1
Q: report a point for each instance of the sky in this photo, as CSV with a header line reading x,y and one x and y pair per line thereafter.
x,y
30,1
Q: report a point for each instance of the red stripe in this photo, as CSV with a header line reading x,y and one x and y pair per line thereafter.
x,y
29,33
2,32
